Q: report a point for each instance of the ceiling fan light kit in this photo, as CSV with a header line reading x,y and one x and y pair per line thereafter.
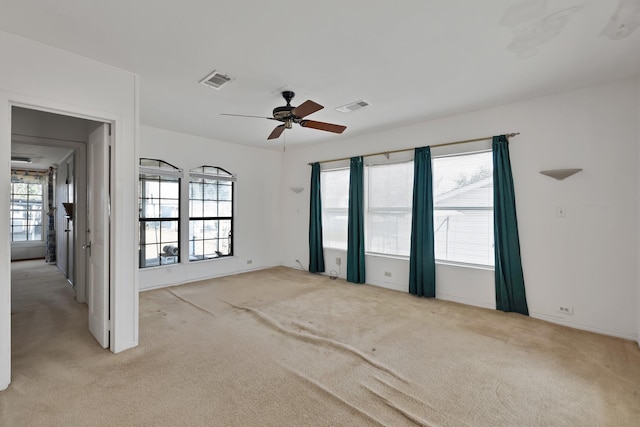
x,y
288,115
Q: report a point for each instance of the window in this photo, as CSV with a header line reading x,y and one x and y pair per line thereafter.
x,y
159,206
334,187
463,208
26,211
210,213
389,190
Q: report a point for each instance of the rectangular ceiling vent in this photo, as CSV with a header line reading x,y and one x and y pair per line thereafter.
x,y
353,106
216,80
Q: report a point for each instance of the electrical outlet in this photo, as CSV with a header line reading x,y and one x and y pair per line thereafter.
x,y
565,309
387,274
338,261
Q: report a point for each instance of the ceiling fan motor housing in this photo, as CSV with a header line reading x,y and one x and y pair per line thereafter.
x,y
284,113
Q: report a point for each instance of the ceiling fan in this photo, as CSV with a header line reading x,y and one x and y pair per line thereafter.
x,y
288,115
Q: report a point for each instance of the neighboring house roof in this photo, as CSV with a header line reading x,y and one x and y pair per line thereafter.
x,y
477,194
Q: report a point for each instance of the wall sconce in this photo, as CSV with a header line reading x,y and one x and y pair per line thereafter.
x,y
560,174
297,190
68,209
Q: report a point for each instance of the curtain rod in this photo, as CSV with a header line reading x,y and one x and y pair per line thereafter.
x,y
508,135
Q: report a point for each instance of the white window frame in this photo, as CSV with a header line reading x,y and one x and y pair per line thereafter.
x,y
221,175
164,258
335,210
43,224
367,208
459,208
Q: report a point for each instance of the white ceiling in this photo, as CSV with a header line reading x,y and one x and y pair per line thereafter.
x,y
42,156
413,60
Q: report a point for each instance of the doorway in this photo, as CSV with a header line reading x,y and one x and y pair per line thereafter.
x,y
55,147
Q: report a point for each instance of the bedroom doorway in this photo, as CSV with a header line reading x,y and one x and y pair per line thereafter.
x,y
73,230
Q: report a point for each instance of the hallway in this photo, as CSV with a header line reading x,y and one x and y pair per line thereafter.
x,y
46,321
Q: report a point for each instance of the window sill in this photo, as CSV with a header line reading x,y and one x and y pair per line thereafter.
x,y
210,259
389,256
465,265
190,262
334,249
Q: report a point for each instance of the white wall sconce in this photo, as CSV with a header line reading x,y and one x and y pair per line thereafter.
x,y
297,190
560,174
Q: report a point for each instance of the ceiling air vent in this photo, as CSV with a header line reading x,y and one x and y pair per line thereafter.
x,y
353,106
216,80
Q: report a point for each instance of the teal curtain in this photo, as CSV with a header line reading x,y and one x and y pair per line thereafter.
x,y
422,263
510,293
355,233
316,255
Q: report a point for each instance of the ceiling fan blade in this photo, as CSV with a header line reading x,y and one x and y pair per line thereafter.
x,y
329,127
306,108
244,115
276,132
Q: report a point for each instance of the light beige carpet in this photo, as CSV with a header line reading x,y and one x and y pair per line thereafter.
x,y
282,347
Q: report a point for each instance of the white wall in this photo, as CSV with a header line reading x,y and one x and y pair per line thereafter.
x,y
586,260
257,212
27,250
35,75
638,259
25,122
65,192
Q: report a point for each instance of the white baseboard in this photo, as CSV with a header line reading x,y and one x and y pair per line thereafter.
x,y
199,279
626,335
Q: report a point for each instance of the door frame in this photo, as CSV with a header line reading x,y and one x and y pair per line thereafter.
x,y
117,122
80,195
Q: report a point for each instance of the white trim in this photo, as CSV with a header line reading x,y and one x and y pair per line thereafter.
x,y
601,331
150,170
212,176
466,265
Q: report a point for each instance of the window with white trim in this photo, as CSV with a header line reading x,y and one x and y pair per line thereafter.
x,y
210,213
334,188
26,211
159,207
389,197
463,208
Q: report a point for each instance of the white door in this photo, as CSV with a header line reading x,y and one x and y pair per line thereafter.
x,y
97,247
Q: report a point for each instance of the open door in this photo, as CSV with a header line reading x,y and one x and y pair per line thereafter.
x,y
97,247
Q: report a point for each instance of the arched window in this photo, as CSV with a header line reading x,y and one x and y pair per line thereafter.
x,y
159,206
210,213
